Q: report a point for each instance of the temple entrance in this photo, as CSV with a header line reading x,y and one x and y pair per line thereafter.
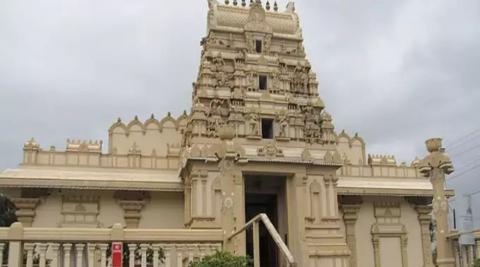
x,y
266,194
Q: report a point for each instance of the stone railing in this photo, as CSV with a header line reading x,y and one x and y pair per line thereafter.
x,y
401,171
465,255
83,159
82,247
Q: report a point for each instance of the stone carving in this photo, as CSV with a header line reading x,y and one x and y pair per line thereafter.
x,y
253,124
283,125
270,150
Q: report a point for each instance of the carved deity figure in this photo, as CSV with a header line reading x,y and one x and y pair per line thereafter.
x,y
253,124
283,122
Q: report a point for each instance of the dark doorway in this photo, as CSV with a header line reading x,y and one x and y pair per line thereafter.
x,y
267,128
266,194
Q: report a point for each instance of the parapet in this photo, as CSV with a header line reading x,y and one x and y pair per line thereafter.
x,y
84,146
381,160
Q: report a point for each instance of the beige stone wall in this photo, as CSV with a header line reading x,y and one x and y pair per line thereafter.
x,y
389,246
163,210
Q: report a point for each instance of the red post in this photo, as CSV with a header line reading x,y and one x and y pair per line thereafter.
x,y
117,254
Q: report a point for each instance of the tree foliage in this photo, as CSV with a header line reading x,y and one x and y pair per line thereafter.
x,y
222,259
7,211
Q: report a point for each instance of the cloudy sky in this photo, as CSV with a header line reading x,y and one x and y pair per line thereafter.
x,y
397,72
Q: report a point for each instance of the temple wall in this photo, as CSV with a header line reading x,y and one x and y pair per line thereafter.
x,y
92,209
165,210
390,245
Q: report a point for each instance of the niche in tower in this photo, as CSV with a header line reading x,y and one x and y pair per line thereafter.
x,y
262,82
267,128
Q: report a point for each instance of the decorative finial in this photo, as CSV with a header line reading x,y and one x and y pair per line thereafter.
x,y
136,118
169,114
251,2
152,116
119,120
275,6
267,6
185,112
227,2
244,3
235,2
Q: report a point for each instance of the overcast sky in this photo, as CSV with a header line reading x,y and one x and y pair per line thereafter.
x,y
397,72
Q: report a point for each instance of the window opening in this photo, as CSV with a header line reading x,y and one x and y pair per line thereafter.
x,y
258,46
262,82
267,128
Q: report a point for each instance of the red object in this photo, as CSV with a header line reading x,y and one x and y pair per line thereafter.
x,y
117,254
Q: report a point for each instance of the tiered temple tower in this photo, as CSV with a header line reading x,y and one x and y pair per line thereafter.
x,y
257,92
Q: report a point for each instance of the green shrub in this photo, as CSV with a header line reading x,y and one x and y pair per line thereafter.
x,y
477,263
222,259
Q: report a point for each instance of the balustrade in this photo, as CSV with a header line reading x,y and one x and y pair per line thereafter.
x,y
76,247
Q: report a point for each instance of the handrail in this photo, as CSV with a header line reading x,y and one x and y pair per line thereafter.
x,y
273,233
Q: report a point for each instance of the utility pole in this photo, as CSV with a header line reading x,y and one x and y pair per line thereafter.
x,y
435,166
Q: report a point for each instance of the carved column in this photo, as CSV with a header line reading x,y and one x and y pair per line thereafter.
x,y
143,251
376,250
2,247
425,218
350,208
25,210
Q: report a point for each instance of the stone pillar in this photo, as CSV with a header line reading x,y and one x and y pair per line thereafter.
x,y
25,210
168,255
477,251
42,250
29,248
15,248
435,166
132,211
79,250
156,250
103,254
143,250
91,254
2,247
179,249
350,208
55,262
131,258
67,248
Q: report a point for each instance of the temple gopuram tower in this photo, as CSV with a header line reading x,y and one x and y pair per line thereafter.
x,y
259,139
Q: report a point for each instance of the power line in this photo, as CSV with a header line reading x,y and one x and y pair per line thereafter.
x,y
462,139
466,150
464,172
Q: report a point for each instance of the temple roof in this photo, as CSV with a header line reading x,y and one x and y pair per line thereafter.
x,y
254,17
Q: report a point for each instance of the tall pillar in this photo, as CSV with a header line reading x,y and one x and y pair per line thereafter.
x,y
435,166
350,207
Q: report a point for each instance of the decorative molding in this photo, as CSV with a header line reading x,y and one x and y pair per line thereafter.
x,y
25,209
